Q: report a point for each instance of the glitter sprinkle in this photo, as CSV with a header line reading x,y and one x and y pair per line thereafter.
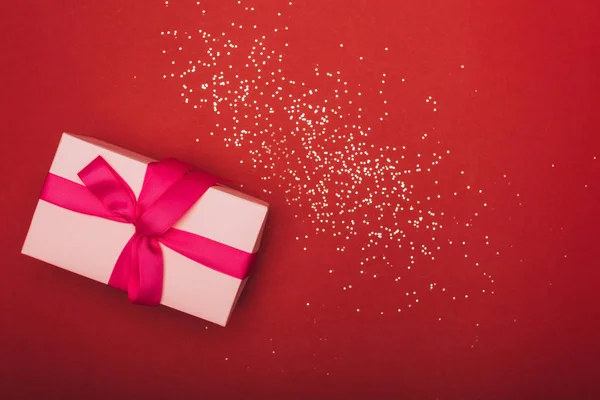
x,y
323,150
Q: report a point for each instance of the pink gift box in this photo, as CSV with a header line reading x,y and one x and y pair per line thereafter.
x,y
90,246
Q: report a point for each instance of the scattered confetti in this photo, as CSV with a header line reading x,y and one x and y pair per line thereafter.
x,y
321,158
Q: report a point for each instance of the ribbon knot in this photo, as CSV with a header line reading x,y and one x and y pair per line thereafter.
x,y
170,188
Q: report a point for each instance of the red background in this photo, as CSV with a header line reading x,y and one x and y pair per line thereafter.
x,y
524,106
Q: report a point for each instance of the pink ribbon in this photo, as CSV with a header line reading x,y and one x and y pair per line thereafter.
x,y
170,188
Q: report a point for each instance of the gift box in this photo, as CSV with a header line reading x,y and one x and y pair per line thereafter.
x,y
162,231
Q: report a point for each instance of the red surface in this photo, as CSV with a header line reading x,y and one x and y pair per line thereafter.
x,y
523,106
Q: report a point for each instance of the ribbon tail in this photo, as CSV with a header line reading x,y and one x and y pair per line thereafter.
x,y
120,275
139,271
146,272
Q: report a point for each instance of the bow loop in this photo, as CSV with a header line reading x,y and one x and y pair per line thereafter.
x,y
159,217
113,192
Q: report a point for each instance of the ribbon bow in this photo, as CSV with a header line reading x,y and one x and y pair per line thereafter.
x,y
170,188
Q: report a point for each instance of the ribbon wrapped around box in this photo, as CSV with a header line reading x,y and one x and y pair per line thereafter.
x,y
162,231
